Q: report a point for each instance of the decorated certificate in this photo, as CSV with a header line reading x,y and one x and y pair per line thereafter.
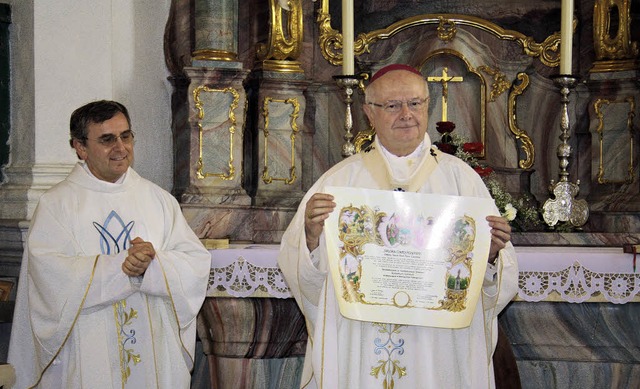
x,y
408,258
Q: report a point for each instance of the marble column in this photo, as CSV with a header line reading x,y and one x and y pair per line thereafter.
x,y
216,30
253,342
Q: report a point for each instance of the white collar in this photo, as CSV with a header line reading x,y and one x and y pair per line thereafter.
x,y
86,169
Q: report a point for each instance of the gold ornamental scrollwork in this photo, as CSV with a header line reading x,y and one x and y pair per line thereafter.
x,y
330,40
284,44
266,177
500,84
527,144
600,131
200,174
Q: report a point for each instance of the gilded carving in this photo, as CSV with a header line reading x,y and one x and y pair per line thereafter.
x,y
446,29
200,174
364,139
613,52
330,40
266,177
598,105
527,144
500,84
284,44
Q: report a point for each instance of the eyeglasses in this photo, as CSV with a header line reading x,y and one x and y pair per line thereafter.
x,y
109,140
394,106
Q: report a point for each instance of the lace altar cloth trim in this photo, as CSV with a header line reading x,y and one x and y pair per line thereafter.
x,y
571,274
577,275
247,272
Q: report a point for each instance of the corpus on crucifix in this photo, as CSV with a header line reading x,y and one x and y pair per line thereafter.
x,y
444,80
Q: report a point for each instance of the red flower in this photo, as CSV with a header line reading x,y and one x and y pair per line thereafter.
x,y
447,148
483,171
473,147
445,127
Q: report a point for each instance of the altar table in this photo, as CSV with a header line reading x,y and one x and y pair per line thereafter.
x,y
254,335
571,274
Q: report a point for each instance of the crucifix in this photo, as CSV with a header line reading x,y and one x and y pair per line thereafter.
x,y
444,80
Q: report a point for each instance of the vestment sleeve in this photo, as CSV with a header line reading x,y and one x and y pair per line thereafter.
x,y
180,270
499,292
304,279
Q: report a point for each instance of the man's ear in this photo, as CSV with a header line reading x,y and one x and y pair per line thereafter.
x,y
81,149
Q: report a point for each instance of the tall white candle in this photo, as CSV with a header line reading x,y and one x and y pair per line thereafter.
x,y
566,36
347,38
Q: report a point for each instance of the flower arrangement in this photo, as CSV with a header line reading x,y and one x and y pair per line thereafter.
x,y
521,211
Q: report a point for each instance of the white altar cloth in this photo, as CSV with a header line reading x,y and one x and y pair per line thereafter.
x,y
564,274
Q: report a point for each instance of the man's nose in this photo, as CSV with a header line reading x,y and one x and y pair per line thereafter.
x,y
119,144
404,110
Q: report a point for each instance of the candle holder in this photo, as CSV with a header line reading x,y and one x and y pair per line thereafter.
x,y
565,207
348,83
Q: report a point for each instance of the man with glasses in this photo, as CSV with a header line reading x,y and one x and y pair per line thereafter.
x,y
112,276
344,353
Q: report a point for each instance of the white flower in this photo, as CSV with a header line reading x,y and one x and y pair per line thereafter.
x,y
509,212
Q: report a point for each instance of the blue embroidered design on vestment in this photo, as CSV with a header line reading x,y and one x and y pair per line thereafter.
x,y
388,367
114,234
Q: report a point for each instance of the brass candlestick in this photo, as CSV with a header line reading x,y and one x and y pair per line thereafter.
x,y
565,207
348,83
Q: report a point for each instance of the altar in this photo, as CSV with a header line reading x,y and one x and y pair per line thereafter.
x,y
575,311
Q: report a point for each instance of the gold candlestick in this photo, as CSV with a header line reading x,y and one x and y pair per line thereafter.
x,y
565,207
348,83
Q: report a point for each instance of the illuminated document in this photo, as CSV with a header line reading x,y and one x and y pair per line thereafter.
x,y
408,258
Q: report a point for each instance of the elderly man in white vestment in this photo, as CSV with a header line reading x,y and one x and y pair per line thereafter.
x,y
344,353
112,276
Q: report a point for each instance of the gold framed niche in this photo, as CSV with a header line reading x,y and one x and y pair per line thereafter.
x,y
211,128
468,113
612,168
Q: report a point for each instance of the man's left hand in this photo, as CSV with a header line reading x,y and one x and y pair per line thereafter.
x,y
500,235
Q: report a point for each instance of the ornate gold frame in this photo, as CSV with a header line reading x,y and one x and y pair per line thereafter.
x,y
330,40
266,178
527,144
232,129
600,130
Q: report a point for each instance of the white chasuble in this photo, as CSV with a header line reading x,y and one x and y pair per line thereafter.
x,y
344,353
80,322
